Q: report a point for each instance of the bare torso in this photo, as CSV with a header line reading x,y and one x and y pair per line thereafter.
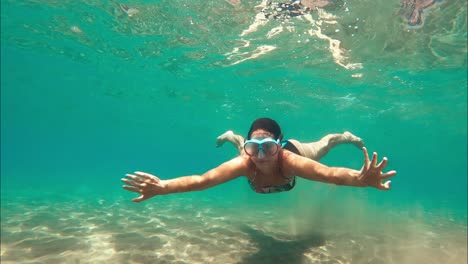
x,y
276,173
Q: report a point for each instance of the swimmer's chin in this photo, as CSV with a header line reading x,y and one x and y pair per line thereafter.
x,y
261,161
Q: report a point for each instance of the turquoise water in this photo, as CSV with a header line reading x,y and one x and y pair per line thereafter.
x,y
89,93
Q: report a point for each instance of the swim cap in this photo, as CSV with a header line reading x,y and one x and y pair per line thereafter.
x,y
266,124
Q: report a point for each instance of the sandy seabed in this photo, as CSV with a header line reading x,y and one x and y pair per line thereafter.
x,y
179,230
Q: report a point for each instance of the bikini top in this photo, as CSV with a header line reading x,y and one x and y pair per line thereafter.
x,y
273,189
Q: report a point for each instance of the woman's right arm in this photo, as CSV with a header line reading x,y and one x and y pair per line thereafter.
x,y
148,185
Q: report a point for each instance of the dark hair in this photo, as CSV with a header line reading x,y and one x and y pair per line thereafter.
x,y
266,124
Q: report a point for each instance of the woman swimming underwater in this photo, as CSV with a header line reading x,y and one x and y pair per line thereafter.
x,y
269,165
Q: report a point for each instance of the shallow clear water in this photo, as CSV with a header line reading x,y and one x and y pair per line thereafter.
x,y
89,93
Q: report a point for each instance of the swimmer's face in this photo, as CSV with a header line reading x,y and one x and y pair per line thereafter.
x,y
261,156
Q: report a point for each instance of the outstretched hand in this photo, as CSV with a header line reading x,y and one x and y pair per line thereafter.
x,y
145,184
371,173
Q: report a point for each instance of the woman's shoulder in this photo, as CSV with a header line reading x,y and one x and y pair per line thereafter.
x,y
287,155
288,160
242,162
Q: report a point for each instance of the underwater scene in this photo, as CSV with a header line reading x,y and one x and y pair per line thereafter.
x,y
93,90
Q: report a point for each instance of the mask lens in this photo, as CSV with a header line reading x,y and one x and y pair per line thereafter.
x,y
270,148
251,148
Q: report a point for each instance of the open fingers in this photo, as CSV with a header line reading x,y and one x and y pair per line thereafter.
x,y
387,175
139,199
132,182
374,160
385,186
131,188
135,178
366,156
148,177
382,164
143,174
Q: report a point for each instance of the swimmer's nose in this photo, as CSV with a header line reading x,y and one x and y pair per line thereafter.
x,y
260,154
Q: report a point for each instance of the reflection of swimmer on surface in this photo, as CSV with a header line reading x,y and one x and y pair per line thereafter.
x,y
413,10
291,9
283,10
270,165
288,13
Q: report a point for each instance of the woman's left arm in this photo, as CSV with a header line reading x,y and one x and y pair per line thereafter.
x,y
370,175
